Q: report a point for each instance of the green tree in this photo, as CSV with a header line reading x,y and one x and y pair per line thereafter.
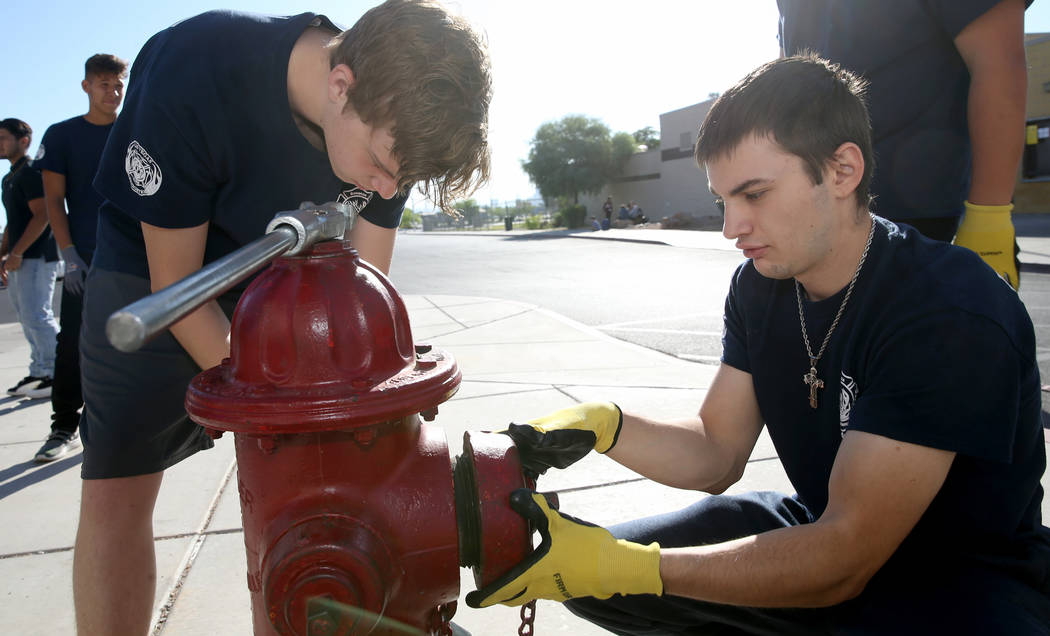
x,y
410,219
647,137
624,146
575,154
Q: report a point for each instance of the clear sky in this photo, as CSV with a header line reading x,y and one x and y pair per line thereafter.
x,y
624,62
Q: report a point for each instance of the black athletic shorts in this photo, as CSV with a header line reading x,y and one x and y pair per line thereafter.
x,y
134,420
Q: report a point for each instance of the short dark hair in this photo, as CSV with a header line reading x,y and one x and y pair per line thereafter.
x,y
17,127
808,105
426,73
105,64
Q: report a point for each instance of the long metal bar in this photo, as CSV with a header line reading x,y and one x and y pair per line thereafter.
x,y
292,232
132,326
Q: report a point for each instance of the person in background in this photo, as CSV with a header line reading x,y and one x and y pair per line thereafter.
x,y
607,210
636,215
28,258
68,158
947,98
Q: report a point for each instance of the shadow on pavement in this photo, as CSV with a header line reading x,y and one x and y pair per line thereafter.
x,y
578,233
12,404
541,236
46,471
1036,268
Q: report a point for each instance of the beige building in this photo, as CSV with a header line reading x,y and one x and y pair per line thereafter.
x,y
1033,188
666,181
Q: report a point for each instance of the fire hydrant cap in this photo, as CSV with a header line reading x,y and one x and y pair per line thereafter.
x,y
320,341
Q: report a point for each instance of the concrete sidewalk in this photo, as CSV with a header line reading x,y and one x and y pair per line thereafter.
x,y
518,361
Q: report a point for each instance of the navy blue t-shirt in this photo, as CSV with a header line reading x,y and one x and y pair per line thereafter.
x,y
933,349
18,187
917,95
207,134
72,148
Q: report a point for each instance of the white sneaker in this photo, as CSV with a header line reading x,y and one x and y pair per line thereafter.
x,y
58,445
23,385
41,389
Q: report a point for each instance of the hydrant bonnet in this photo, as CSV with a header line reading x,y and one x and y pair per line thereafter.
x,y
320,343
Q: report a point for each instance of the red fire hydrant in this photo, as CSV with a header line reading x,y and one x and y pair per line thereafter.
x,y
356,518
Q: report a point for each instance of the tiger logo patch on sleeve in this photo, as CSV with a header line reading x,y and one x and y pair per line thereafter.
x,y
847,396
144,174
355,198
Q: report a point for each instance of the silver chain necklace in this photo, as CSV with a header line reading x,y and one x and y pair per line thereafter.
x,y
810,379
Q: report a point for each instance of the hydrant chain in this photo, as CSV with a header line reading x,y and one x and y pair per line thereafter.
x,y
528,618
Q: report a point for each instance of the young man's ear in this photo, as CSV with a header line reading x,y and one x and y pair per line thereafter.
x,y
846,168
340,79
84,85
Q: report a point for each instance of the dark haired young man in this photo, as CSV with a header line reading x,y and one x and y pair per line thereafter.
x,y
68,158
228,119
29,260
854,340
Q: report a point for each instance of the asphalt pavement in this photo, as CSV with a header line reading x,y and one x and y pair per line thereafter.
x,y
518,361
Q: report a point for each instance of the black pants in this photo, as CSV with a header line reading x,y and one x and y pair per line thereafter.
x,y
66,398
920,601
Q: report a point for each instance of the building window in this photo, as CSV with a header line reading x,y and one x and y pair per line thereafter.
x,y
685,142
1036,163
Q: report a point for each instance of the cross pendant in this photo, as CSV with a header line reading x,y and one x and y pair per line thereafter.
x,y
814,383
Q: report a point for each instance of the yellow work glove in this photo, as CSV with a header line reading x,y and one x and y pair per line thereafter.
x,y
988,230
565,436
574,559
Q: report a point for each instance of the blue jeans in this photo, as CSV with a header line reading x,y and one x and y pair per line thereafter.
x,y
32,286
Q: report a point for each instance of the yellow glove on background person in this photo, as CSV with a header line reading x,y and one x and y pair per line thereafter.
x,y
565,436
989,231
574,558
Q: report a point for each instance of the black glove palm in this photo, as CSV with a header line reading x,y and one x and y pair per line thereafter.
x,y
566,436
